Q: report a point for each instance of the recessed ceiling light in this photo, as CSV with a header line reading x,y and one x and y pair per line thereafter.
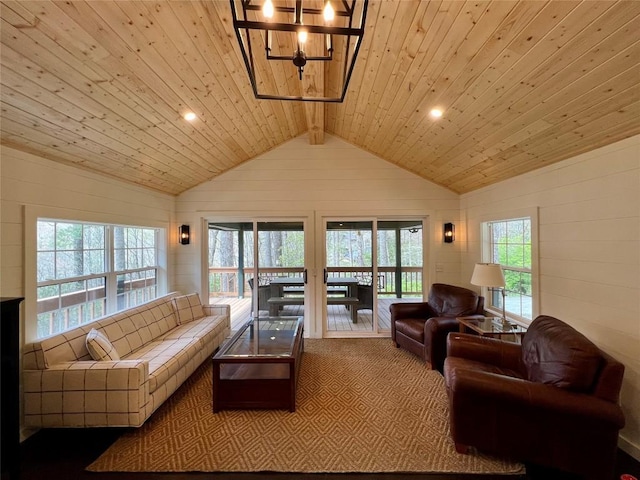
x,y
189,116
436,113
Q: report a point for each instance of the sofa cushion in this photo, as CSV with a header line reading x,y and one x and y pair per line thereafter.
x,y
188,308
412,328
166,358
100,348
555,353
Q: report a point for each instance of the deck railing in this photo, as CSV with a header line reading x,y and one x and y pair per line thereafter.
x,y
59,313
391,281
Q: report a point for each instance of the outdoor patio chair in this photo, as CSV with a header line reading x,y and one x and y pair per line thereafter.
x,y
365,297
264,292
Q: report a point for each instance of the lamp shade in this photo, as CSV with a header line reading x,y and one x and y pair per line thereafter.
x,y
488,275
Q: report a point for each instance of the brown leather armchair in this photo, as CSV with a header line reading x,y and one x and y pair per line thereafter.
x,y
422,327
552,401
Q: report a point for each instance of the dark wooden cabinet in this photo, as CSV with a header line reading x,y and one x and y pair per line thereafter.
x,y
10,387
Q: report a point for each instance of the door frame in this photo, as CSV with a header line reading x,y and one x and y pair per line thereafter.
x,y
254,218
320,260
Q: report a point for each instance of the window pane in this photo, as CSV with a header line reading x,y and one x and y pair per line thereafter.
x,y
46,235
69,304
526,231
510,246
118,237
119,260
149,238
135,288
46,266
93,262
514,257
93,237
74,250
72,287
69,264
50,291
131,261
68,236
149,257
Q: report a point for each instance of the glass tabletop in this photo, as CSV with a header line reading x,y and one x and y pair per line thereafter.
x,y
263,337
491,325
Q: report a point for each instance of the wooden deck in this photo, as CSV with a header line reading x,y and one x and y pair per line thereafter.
x,y
339,316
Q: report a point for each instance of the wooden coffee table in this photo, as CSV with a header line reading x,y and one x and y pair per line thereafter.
x,y
258,367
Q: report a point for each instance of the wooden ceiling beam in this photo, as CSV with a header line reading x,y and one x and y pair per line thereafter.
x,y
313,85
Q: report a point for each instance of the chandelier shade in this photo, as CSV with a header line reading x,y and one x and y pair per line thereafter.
x,y
302,50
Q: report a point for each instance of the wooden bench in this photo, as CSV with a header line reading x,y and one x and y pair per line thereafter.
x,y
276,302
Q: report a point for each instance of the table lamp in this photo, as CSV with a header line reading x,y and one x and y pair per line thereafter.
x,y
490,275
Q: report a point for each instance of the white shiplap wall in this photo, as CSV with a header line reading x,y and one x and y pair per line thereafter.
x,y
589,255
589,212
33,184
334,178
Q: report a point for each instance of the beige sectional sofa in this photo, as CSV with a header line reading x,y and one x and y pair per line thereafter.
x,y
155,347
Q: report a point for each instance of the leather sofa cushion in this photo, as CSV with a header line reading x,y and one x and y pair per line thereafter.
x,y
452,301
556,354
412,328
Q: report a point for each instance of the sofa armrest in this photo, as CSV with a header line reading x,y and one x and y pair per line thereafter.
x,y
485,349
218,309
436,330
504,394
87,393
411,310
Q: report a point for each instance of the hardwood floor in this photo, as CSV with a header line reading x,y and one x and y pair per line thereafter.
x,y
63,454
339,318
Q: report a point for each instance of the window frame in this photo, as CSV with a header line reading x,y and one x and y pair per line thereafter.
x,y
486,256
35,213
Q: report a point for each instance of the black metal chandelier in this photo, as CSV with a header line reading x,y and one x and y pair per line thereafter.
x,y
300,35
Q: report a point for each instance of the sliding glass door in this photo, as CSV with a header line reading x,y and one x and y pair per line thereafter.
x,y
359,266
258,279
281,268
399,258
348,285
369,264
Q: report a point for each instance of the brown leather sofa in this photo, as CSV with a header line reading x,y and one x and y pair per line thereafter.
x,y
552,401
422,327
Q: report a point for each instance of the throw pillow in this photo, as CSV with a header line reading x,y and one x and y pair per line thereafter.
x,y
100,348
188,308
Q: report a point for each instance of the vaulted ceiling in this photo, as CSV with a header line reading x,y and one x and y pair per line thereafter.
x,y
103,85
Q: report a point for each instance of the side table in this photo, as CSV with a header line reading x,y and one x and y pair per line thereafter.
x,y
491,327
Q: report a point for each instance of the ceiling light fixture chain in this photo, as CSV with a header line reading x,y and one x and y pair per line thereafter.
x,y
346,23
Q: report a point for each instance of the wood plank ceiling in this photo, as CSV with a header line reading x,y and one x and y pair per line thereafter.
x,y
103,85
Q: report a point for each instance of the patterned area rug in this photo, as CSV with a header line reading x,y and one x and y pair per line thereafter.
x,y
362,406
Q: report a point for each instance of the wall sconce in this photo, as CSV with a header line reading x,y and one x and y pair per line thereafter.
x,y
183,234
449,232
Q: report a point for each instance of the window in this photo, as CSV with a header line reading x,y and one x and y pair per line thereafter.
x,y
509,243
86,270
